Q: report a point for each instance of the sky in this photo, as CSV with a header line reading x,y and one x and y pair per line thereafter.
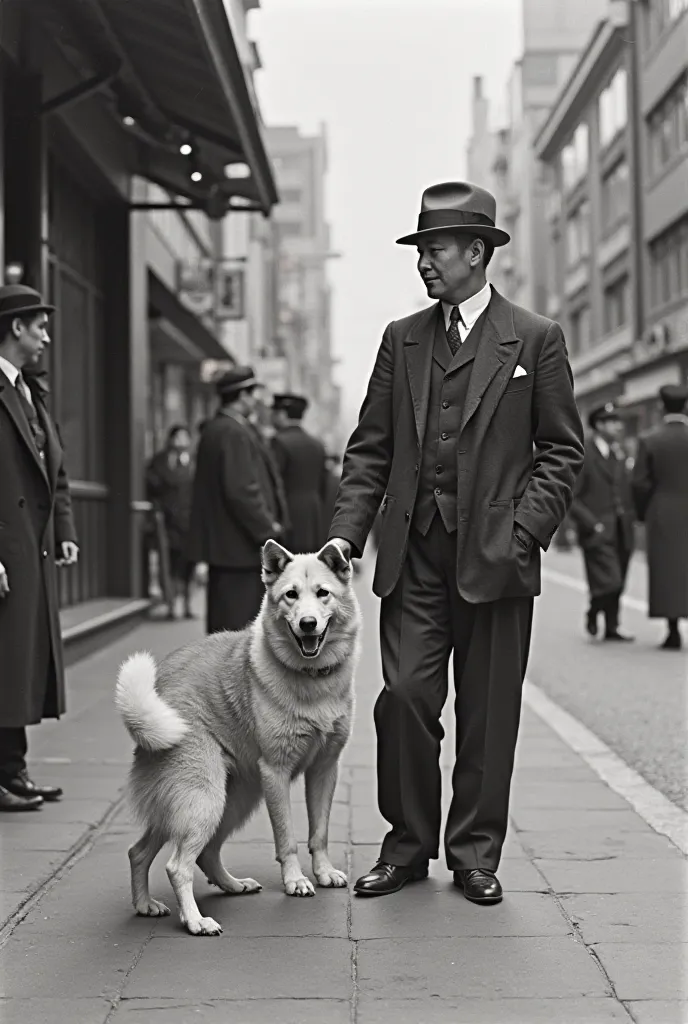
x,y
392,81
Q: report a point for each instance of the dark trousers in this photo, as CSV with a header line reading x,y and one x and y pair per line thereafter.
x,y
422,621
13,747
234,598
608,603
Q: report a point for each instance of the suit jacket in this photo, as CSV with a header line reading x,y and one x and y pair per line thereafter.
x,y
520,448
235,500
35,519
301,460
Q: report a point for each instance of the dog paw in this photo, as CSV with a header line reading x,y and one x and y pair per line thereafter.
x,y
249,885
299,887
331,878
151,908
204,926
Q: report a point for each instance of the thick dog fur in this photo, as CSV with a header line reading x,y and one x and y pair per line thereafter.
x,y
234,718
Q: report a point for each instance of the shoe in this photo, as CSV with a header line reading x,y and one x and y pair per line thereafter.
x,y
618,637
21,785
591,623
385,879
11,802
672,642
479,885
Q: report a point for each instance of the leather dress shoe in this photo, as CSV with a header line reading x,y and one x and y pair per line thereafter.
x,y
479,886
22,785
11,802
618,637
385,879
672,642
591,623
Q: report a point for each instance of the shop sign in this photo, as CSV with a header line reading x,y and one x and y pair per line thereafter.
x,y
196,285
230,291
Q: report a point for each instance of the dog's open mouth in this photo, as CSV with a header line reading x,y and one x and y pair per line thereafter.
x,y
309,644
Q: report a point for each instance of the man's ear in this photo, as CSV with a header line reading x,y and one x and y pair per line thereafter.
x,y
335,559
274,559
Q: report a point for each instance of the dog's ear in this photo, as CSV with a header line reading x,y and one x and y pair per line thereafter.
x,y
274,560
335,559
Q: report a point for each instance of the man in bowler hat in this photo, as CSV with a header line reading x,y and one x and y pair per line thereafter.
x,y
235,505
660,490
302,462
36,534
603,513
470,439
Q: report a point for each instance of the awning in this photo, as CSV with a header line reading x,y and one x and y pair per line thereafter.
x,y
189,339
180,80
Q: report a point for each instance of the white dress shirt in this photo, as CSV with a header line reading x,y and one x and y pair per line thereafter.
x,y
602,446
470,310
11,372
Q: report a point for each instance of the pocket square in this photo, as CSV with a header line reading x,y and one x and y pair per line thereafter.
x,y
520,372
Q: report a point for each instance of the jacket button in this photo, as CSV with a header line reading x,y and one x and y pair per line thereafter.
x,y
407,516
416,467
439,469
21,502
445,404
445,436
45,554
438,490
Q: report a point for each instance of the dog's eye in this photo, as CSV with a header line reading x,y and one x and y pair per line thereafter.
x,y
322,592
292,594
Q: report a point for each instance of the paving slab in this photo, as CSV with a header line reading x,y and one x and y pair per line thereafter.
x,y
236,1011
491,1011
625,875
525,968
597,844
44,1011
656,1011
538,819
629,917
561,795
26,872
646,970
65,967
243,968
51,836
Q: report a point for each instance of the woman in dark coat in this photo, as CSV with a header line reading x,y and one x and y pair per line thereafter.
x,y
169,480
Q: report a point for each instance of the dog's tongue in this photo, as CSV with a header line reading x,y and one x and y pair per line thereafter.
x,y
310,644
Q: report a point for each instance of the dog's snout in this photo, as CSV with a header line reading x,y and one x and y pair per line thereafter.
x,y
308,624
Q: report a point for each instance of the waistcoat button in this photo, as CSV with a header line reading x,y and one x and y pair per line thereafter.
x,y
439,469
445,404
445,436
438,490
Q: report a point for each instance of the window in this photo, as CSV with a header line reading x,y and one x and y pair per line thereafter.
x,y
574,157
290,195
659,16
540,69
578,234
613,108
580,329
668,127
615,195
669,265
616,304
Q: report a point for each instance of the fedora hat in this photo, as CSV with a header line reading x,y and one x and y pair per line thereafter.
x,y
457,206
239,378
294,405
19,300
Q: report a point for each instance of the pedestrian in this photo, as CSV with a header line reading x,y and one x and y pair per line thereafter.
x,y
603,513
169,480
660,490
235,506
36,534
302,462
470,432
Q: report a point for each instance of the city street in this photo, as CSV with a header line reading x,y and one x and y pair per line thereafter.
x,y
592,929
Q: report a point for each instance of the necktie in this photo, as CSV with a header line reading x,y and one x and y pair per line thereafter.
x,y
23,389
453,336
31,415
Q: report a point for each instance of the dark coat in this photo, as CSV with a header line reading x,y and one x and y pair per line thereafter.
x,y
520,449
660,489
170,488
236,498
603,495
301,460
35,520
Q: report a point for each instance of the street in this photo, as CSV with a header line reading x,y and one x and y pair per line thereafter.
x,y
591,930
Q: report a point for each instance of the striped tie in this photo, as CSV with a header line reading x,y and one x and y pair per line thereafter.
x,y
453,336
23,388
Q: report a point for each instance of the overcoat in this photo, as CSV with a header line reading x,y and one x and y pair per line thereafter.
x,y
603,495
170,488
236,496
35,519
520,447
660,490
301,460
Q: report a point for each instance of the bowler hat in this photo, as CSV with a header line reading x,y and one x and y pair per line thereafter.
x,y
294,405
460,206
608,411
19,300
239,378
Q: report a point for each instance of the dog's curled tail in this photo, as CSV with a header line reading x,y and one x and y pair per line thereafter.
x,y
150,722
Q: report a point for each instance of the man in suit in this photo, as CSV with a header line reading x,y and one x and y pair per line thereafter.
x,y
302,462
470,432
602,510
660,490
235,505
36,534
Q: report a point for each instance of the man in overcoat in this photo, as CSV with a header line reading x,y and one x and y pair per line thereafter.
x,y
603,512
36,534
660,490
302,462
470,433
236,505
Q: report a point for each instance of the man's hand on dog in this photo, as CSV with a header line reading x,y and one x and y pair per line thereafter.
x,y
343,546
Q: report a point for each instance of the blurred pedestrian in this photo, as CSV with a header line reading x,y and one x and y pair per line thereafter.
x,y
302,462
36,534
602,510
235,506
333,464
169,480
660,489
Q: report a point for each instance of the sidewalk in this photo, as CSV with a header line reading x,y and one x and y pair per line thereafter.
x,y
592,929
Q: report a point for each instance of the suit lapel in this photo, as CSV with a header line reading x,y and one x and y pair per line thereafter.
x,y
498,350
418,349
12,402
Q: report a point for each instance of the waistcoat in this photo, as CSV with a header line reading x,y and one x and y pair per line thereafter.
x,y
449,380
